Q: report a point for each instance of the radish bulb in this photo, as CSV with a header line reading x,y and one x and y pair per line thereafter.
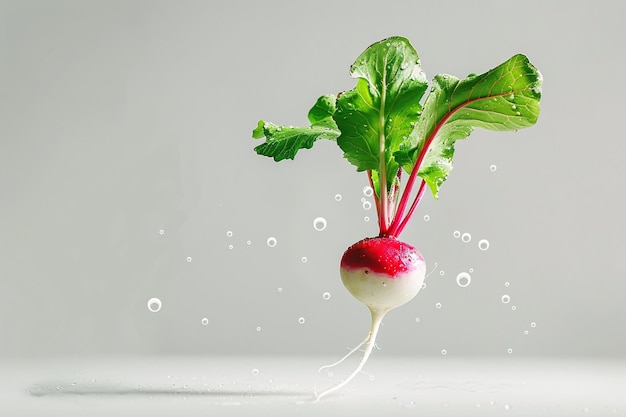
x,y
383,273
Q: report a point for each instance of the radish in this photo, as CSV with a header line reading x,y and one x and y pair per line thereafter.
x,y
384,129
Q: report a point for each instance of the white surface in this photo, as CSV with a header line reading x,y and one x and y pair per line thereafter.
x,y
229,386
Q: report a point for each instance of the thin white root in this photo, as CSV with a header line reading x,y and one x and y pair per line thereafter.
x,y
377,317
347,355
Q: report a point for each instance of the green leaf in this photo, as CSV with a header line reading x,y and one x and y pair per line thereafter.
x,y
283,142
383,107
504,98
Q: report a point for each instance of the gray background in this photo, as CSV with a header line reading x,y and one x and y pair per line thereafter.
x,y
118,119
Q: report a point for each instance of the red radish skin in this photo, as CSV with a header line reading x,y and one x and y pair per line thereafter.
x,y
383,273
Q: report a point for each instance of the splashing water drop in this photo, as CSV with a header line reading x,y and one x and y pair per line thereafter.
x,y
280,289
492,168
444,352
154,304
255,372
509,350
533,324
426,217
258,329
304,259
483,244
466,237
367,205
368,191
463,279
205,321
506,299
326,296
301,320
189,259
229,233
271,242
319,224
161,232
338,197
456,234
438,305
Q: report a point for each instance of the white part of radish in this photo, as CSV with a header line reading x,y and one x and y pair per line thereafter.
x,y
380,293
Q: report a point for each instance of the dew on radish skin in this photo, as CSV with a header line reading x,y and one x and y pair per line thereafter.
x,y
466,237
205,321
463,279
154,304
483,244
506,299
326,296
456,234
271,242
319,224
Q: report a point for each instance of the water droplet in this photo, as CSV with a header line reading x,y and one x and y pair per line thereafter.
x,y
506,299
417,319
330,374
249,242
319,224
258,329
525,332
513,107
154,304
161,232
338,197
426,217
372,377
301,320
255,372
438,305
189,259
271,242
492,168
483,244
463,279
366,218
367,205
442,273
230,246
326,296
513,308
533,324
280,289
456,234
304,259
512,96
507,407
205,321
506,284
471,270
368,191
509,350
466,237
229,233
444,352
423,285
